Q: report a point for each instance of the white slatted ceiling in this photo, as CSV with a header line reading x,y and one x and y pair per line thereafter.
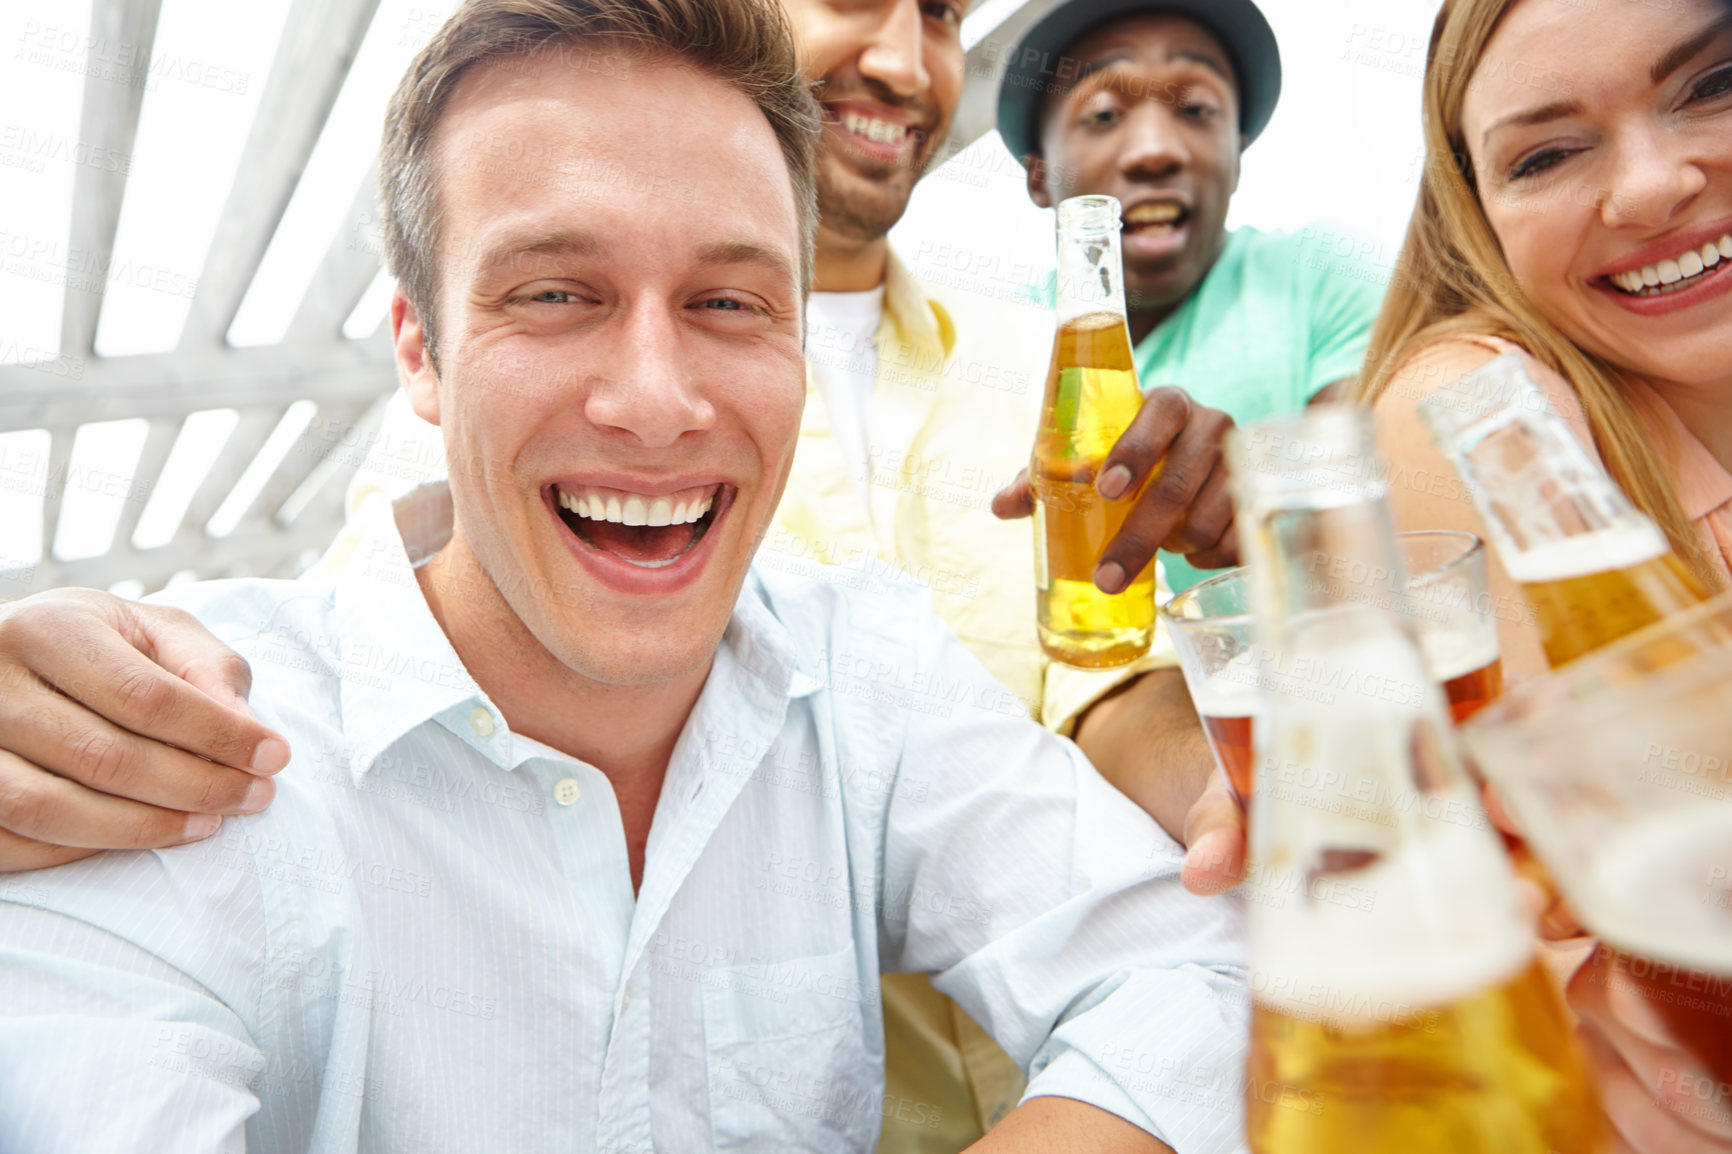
x,y
298,506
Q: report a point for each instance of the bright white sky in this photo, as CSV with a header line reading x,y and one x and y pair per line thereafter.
x,y
1342,153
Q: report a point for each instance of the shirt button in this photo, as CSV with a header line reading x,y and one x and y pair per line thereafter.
x,y
481,721
566,790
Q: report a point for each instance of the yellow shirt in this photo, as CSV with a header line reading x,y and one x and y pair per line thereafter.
x,y
951,421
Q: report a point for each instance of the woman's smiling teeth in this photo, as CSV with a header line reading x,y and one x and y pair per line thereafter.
x,y
1673,274
623,508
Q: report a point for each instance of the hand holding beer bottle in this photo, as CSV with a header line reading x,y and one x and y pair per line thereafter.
x,y
1091,398
1167,468
1398,1004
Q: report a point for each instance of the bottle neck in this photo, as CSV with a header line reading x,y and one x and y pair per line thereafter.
x,y
1358,780
1090,272
1311,493
1549,508
1550,512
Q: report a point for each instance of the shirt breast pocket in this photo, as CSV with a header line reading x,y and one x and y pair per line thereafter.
x,y
787,1059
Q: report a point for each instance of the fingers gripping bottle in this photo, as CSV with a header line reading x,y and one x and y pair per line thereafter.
x,y
1397,1002
1591,564
1091,398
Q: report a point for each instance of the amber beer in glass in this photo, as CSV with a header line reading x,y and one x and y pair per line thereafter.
x,y
1230,736
1397,1001
1211,627
1695,1004
1450,596
1592,566
1619,769
1091,398
1470,692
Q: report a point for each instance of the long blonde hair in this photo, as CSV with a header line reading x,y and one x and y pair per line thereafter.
x,y
1452,279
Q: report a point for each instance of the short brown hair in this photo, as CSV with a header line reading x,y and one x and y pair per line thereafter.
x,y
745,43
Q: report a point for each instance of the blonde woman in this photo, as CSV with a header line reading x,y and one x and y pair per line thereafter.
x,y
1579,149
1578,208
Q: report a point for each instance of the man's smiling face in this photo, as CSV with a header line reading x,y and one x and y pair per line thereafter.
x,y
1152,119
889,76
619,374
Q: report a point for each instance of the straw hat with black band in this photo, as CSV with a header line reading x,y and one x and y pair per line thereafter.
x,y
1036,65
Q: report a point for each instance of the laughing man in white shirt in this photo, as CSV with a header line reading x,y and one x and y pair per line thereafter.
x,y
594,837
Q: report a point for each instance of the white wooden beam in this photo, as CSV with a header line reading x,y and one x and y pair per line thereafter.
x,y
320,39
349,265
977,113
158,442
253,551
187,380
108,124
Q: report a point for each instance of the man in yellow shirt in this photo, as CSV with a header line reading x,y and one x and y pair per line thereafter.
x,y
919,409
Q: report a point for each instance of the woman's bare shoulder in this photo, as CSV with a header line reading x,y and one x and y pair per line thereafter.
x,y
1438,364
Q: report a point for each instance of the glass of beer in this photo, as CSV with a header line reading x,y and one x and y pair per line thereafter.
x,y
1211,625
1592,565
1618,768
1451,602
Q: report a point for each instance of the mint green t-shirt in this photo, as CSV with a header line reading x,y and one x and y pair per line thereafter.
x,y
1280,316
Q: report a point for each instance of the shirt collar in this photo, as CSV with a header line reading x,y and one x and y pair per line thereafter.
x,y
398,667
400,671
920,320
764,647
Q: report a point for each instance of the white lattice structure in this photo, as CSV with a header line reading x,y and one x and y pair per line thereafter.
x,y
299,507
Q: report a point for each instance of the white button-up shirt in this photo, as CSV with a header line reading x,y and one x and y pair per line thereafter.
x,y
430,941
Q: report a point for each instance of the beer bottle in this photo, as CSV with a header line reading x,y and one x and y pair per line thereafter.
x,y
1397,1002
1091,397
1591,564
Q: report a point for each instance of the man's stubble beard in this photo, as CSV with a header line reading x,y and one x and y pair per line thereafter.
x,y
852,206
